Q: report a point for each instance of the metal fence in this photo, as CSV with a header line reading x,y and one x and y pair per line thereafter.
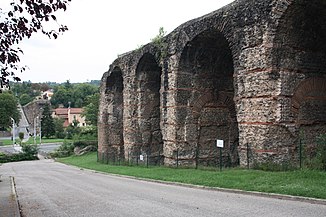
x,y
310,155
218,159
301,156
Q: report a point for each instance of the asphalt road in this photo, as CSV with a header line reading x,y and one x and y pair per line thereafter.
x,y
47,188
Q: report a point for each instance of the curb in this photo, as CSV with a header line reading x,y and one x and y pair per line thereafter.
x,y
234,191
13,187
8,198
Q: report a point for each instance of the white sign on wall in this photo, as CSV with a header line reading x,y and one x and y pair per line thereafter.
x,y
219,143
141,157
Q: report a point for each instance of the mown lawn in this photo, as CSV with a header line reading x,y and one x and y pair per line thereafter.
x,y
31,141
305,183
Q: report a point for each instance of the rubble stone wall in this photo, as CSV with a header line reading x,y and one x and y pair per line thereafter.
x,y
252,73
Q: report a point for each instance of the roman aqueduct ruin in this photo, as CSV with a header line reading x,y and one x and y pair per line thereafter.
x,y
252,73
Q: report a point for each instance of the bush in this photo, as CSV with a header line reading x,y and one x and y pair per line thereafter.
x,y
21,136
60,135
88,133
30,149
83,144
29,152
65,150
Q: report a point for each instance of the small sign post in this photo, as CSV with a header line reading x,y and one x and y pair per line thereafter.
x,y
220,145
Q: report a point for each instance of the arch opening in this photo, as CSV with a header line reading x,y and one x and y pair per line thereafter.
x,y
148,80
300,55
206,100
309,108
114,98
300,38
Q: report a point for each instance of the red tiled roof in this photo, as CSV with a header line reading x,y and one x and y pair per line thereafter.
x,y
64,111
61,111
76,110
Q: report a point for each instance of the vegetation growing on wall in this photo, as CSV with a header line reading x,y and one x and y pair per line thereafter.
x,y
160,43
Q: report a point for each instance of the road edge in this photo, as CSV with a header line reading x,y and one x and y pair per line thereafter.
x,y
227,190
14,193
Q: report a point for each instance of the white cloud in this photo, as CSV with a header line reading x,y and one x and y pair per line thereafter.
x,y
99,30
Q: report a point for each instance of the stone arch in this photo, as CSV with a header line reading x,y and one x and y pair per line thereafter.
x,y
299,62
114,98
204,98
311,89
309,108
148,84
299,43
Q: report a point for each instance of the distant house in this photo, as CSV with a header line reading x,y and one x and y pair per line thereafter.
x,y
69,115
47,94
4,87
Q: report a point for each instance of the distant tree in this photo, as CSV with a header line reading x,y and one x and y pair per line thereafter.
x,y
25,18
8,109
61,96
95,82
91,109
26,91
76,94
68,85
25,99
47,123
72,130
78,102
40,86
81,92
58,126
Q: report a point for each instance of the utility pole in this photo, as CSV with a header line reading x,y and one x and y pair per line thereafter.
x,y
41,109
13,131
35,130
40,131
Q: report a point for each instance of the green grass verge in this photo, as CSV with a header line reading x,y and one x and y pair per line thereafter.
x,y
31,141
305,183
5,142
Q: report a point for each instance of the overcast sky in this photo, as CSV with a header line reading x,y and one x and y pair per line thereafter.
x,y
100,30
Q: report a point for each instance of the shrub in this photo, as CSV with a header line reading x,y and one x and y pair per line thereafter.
x,y
29,152
21,136
82,144
65,150
30,149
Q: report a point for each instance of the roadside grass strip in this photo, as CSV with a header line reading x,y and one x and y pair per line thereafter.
x,y
7,142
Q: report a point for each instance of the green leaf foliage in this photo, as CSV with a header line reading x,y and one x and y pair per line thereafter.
x,y
20,21
74,95
8,109
47,123
91,109
59,130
